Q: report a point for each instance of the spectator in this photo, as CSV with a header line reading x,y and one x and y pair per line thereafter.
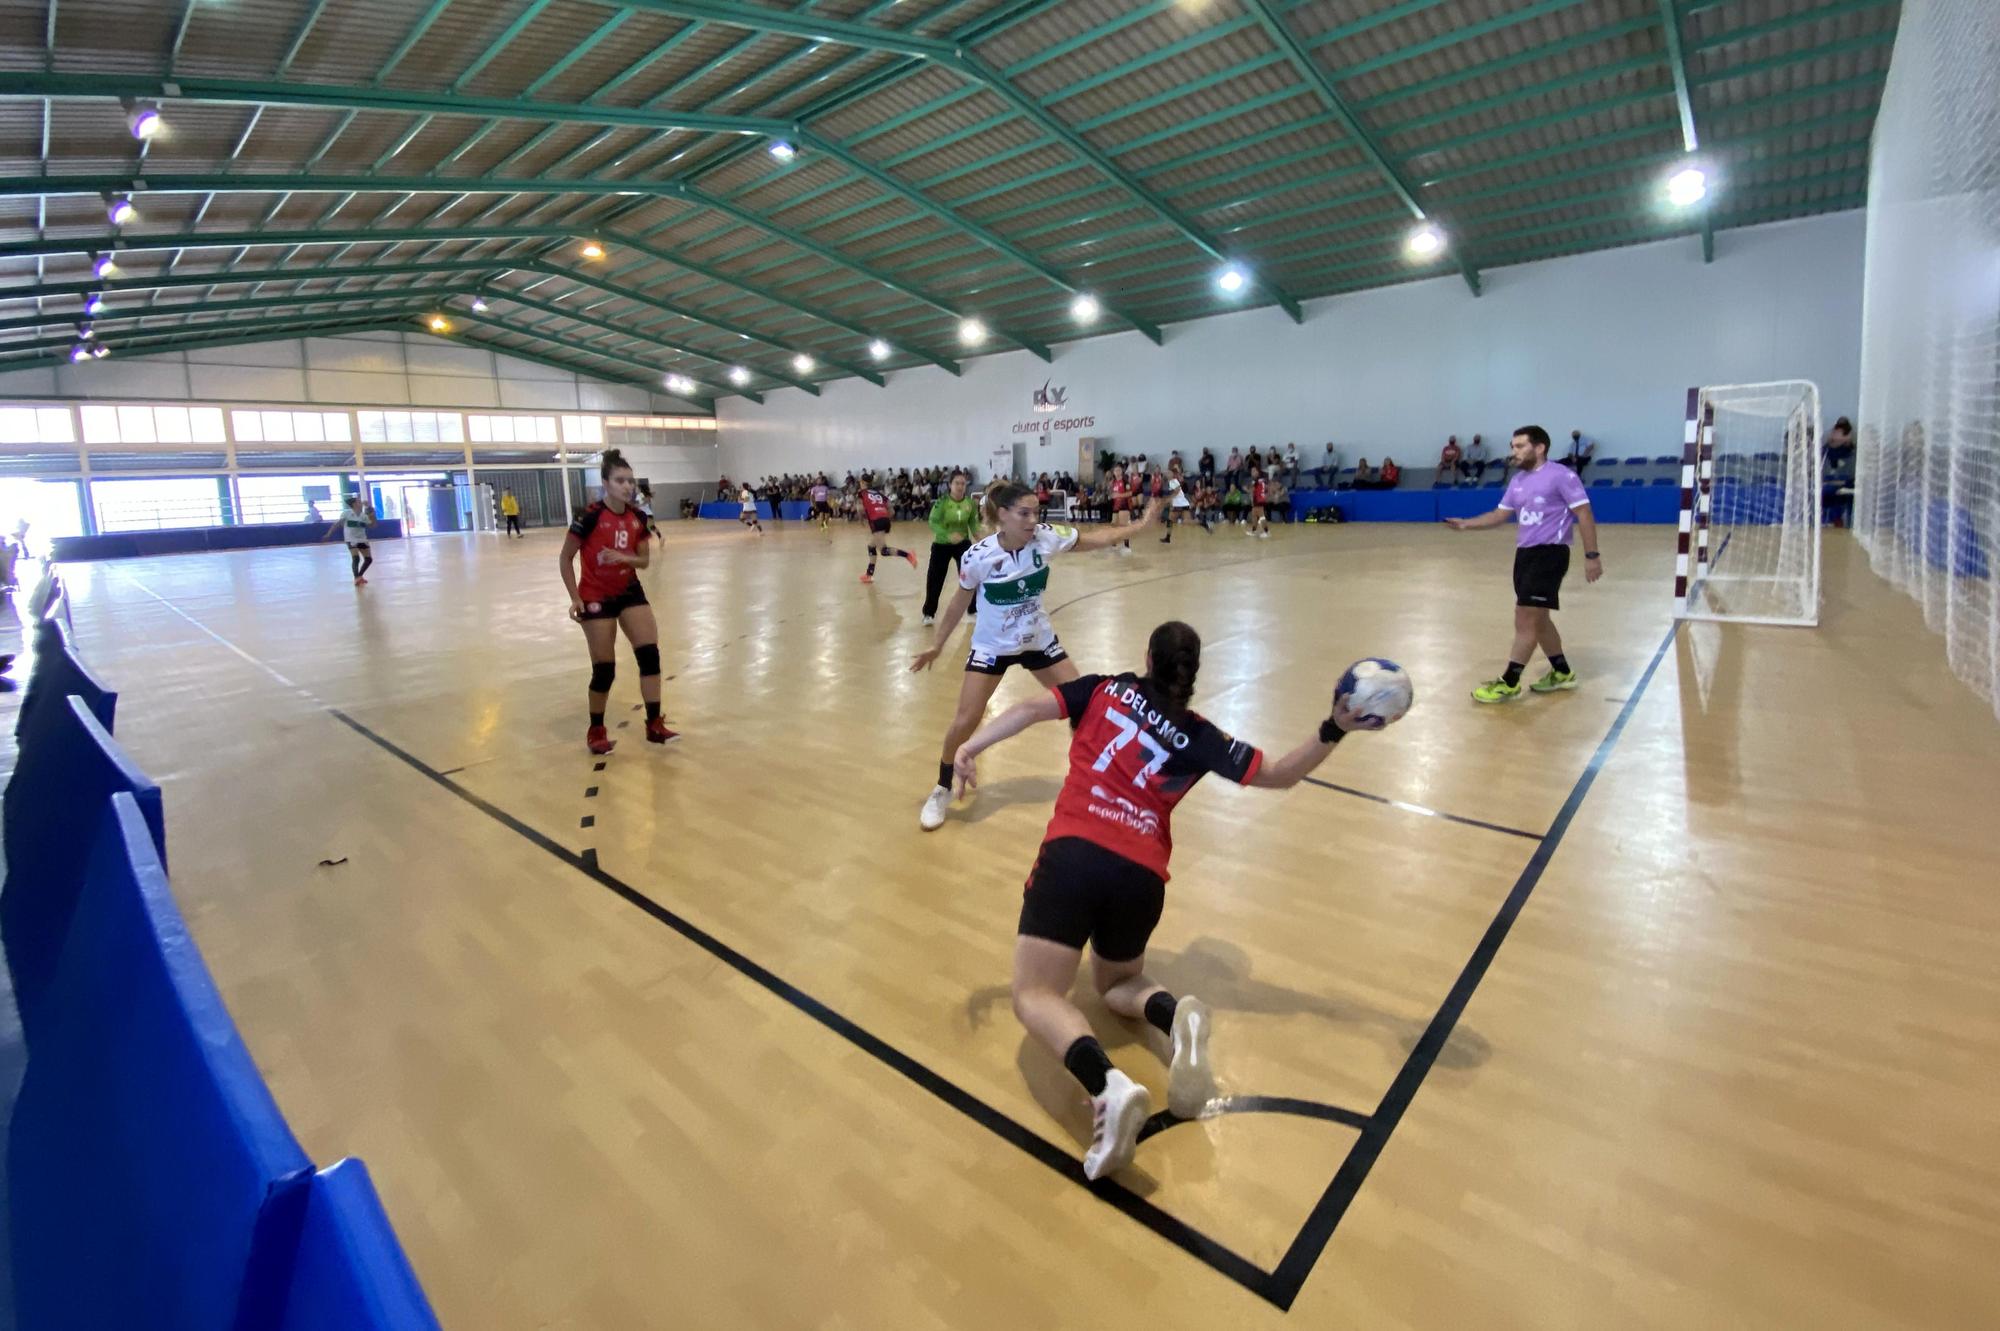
x,y
1391,473
1329,467
1581,450
1837,473
1291,466
1206,467
1475,459
1234,504
1364,476
1448,470
1281,498
1232,470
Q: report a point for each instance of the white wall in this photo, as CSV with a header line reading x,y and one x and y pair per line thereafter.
x,y
381,369
1606,342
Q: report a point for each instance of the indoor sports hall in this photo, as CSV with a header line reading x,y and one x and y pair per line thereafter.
x,y
613,611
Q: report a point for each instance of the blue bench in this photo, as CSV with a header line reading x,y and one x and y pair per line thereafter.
x,y
153,1181
66,771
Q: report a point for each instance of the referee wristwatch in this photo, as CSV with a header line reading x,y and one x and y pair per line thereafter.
x,y
1592,554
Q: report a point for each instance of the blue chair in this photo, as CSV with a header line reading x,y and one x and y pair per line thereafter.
x,y
154,1183
1633,480
54,802
1666,480
349,1273
1602,463
1632,462
1667,460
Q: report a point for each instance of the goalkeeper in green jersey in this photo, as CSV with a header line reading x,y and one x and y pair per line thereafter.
x,y
954,527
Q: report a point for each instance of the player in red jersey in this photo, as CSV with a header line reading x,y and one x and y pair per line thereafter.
x,y
611,537
1260,521
875,508
1121,487
1101,875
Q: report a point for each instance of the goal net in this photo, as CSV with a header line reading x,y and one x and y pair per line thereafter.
x,y
1750,505
1928,506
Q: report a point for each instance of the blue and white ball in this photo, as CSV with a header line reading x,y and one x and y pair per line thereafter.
x,y
1376,688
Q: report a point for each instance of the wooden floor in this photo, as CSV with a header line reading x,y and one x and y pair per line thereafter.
x,y
739,1053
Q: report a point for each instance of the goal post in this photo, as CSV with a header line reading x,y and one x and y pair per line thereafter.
x,y
1750,505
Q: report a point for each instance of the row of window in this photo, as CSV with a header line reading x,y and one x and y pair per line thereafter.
x,y
145,424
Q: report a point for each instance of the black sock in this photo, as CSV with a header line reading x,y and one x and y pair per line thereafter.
x,y
1560,662
1088,1063
597,720
1513,675
871,568
944,775
652,711
1160,1011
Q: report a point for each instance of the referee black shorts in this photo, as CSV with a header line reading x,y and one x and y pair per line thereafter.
x,y
1538,575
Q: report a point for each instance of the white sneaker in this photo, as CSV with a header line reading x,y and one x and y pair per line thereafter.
x,y
929,620
1263,536
1116,1117
1190,1078
935,808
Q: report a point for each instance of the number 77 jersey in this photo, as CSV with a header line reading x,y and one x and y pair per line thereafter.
x,y
1130,763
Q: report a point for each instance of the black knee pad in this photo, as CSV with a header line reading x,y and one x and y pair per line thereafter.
x,y
601,675
649,658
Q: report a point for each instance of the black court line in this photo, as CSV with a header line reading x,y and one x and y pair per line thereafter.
x,y
1423,809
1222,1259
1256,1104
1298,1261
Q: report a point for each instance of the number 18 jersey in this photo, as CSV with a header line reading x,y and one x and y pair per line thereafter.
x,y
1130,764
598,528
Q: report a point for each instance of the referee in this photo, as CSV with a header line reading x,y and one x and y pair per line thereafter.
x,y
954,526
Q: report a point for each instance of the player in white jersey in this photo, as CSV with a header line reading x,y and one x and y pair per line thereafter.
x,y
1009,573
749,515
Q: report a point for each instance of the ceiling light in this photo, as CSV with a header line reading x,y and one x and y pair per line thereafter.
x,y
738,375
103,265
1424,241
679,385
99,352
1084,309
802,363
591,250
95,305
1687,187
143,121
879,349
85,331
1232,279
79,352
479,305
971,332
440,324
782,150
120,210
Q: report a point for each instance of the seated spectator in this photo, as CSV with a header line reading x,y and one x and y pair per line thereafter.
x,y
1474,463
1292,465
1391,473
1448,470
1232,470
1364,476
1837,473
1278,498
1205,468
1235,504
1329,467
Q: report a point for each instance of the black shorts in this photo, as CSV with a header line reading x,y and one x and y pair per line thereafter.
x,y
617,605
986,663
879,526
1538,575
1079,892
359,547
822,510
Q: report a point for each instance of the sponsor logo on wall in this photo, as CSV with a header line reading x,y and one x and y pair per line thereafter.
x,y
1048,400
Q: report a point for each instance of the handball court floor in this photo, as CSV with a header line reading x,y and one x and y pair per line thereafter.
x,y
1671,1001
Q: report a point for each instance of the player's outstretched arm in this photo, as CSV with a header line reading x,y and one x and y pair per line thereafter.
x,y
1103,538
1498,517
947,626
1303,761
1004,726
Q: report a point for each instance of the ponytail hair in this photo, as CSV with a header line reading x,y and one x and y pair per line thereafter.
x,y
613,460
1002,495
1173,657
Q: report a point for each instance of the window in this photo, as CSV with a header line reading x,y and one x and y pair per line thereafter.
x,y
661,422
515,429
151,505
36,425
144,424
583,430
172,424
406,427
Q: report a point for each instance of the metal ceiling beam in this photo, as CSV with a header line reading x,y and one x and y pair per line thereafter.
x,y
460,336
1310,69
509,326
809,27
1670,29
185,337
631,330
150,311
169,343
178,281
254,92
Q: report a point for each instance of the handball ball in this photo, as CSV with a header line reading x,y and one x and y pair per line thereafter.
x,y
1378,688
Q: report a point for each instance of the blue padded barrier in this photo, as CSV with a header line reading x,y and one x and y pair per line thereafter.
x,y
57,673
153,1182
54,803
350,1273
1657,503
1466,503
795,510
732,509
1610,503
188,540
1388,506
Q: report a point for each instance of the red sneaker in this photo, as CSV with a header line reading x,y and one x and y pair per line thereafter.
x,y
598,740
657,732
868,577
911,555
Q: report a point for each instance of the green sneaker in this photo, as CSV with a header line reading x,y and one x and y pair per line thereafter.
x,y
1496,690
1554,680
